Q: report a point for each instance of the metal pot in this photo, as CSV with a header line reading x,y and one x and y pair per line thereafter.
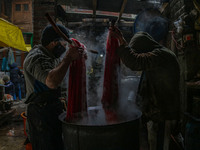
x,y
121,136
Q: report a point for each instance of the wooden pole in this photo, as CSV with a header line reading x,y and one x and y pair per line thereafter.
x,y
94,8
62,34
122,10
57,29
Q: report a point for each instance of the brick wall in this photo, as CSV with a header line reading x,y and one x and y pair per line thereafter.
x,y
41,7
22,18
5,9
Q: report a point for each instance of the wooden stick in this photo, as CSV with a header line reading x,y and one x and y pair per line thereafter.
x,y
61,33
94,8
122,10
57,29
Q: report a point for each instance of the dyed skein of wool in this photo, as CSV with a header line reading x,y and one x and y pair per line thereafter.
x,y
77,100
111,80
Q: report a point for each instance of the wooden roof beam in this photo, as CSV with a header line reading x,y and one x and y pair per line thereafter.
x,y
122,10
164,5
94,8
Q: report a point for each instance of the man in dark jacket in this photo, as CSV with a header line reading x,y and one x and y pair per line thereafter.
x,y
159,87
15,77
44,72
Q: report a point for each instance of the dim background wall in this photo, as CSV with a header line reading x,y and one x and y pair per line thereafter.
x,y
184,44
5,9
41,7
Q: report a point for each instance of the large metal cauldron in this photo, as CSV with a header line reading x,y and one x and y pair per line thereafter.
x,y
121,136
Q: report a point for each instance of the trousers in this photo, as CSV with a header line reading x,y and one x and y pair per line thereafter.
x,y
159,134
45,129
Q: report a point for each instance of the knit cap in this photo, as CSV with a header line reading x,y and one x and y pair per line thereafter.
x,y
49,34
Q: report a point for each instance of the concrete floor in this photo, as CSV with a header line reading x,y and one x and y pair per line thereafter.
x,y
12,132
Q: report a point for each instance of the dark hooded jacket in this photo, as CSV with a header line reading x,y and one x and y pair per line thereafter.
x,y
159,88
15,74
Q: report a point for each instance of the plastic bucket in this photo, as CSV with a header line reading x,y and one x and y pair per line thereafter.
x,y
24,119
29,145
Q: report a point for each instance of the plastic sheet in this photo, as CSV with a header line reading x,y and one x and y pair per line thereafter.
x,y
11,36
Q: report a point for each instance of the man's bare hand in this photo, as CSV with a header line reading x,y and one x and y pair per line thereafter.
x,y
74,53
85,54
118,34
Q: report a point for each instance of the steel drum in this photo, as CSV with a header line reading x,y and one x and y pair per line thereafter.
x,y
120,136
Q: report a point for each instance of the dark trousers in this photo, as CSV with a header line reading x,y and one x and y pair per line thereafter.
x,y
45,129
159,134
18,91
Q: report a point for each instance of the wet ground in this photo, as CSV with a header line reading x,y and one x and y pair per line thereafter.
x,y
12,131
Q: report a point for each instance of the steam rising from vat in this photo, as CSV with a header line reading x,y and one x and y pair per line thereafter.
x,y
127,88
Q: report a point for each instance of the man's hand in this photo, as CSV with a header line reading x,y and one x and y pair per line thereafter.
x,y
56,75
118,34
74,53
85,54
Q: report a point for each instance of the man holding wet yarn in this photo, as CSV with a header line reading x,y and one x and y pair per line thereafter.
x,y
44,72
159,85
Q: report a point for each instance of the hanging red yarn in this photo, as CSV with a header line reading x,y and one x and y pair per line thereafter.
x,y
77,101
111,79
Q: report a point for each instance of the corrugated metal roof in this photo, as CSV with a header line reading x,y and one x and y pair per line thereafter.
x,y
132,6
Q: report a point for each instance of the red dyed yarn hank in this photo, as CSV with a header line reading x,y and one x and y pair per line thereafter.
x,y
77,101
111,80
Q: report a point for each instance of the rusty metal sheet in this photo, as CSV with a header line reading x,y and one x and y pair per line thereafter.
x,y
132,6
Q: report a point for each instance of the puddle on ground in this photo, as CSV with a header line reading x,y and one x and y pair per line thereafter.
x,y
12,136
12,132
